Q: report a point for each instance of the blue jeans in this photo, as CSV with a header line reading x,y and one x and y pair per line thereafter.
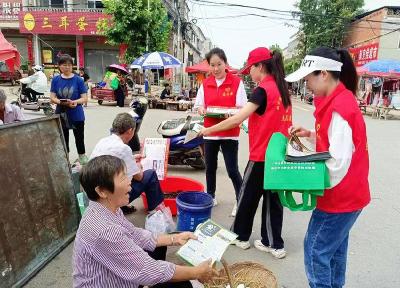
x,y
150,186
325,248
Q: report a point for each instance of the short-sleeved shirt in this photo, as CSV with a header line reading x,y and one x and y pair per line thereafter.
x,y
69,88
12,113
259,97
113,145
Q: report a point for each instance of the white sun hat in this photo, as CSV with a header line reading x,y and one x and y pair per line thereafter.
x,y
313,63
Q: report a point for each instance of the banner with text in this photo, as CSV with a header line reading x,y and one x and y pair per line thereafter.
x,y
67,23
364,54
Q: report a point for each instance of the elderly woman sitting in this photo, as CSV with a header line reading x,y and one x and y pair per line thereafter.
x,y
109,250
9,113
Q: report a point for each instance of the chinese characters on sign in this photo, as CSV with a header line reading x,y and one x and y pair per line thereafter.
x,y
64,22
283,165
46,23
77,23
9,10
81,24
364,54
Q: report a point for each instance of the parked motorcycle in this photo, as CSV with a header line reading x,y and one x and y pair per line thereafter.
x,y
42,102
139,107
180,153
309,99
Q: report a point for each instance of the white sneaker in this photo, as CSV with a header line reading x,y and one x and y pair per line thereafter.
x,y
215,202
234,210
277,253
241,244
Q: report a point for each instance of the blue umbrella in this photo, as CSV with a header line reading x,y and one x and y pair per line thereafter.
x,y
156,60
382,66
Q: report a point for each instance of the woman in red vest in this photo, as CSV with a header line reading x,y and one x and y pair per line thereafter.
x,y
339,129
226,90
269,110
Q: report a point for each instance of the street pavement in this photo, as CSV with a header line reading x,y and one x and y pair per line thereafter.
x,y
374,251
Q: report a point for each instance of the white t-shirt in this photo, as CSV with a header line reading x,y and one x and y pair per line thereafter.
x,y
114,146
341,148
241,100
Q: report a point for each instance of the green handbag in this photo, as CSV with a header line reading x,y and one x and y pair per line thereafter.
x,y
114,83
310,179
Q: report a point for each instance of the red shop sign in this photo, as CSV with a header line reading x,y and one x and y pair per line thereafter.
x,y
65,23
364,54
9,10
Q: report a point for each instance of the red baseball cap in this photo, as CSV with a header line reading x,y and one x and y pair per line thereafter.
x,y
255,56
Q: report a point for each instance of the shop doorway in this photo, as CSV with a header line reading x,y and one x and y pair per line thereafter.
x,y
96,62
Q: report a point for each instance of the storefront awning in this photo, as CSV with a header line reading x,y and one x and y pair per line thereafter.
x,y
9,54
203,67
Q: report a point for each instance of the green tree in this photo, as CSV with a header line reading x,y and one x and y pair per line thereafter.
x,y
324,22
292,64
275,47
133,24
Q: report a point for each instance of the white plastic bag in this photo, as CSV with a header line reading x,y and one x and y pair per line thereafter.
x,y
160,222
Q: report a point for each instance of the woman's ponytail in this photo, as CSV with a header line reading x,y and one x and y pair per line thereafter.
x,y
275,68
348,75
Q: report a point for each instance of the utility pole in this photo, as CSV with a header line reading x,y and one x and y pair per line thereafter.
x,y
180,39
146,72
147,33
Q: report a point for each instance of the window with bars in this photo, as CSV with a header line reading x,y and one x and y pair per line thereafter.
x,y
53,3
95,4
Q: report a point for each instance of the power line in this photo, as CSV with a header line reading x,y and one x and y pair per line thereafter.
x,y
373,38
291,12
206,26
297,14
285,19
354,26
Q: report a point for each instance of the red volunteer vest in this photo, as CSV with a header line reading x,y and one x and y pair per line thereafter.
x,y
352,193
275,119
225,96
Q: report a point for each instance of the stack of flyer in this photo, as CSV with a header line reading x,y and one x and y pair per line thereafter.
x,y
193,133
155,153
220,112
212,242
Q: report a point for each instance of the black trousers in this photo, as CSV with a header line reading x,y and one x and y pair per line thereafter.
x,y
78,129
272,211
120,97
31,94
150,186
230,151
160,253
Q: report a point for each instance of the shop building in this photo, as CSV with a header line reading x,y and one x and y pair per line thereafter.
x,y
375,35
43,30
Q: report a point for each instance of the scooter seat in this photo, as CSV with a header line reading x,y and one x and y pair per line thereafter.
x,y
172,127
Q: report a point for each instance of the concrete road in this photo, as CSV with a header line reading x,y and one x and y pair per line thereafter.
x,y
374,251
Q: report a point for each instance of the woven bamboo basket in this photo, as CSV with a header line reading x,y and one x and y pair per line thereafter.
x,y
250,274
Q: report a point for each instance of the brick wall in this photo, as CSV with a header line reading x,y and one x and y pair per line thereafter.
x,y
362,30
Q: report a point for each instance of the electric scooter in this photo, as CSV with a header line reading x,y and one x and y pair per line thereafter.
x,y
41,103
181,153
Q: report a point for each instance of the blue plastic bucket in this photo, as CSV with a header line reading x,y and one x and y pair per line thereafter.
x,y
193,208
